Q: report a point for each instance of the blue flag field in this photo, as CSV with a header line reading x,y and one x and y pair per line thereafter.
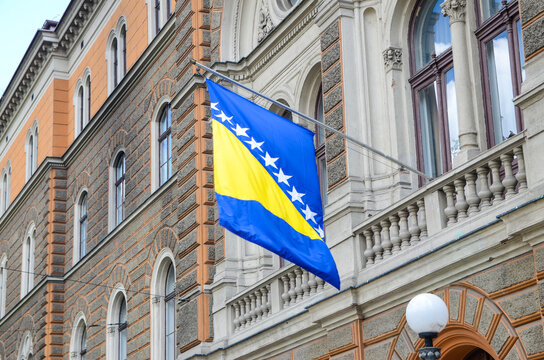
x,y
266,182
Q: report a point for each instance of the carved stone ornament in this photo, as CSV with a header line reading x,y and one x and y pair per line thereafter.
x,y
265,23
392,58
455,9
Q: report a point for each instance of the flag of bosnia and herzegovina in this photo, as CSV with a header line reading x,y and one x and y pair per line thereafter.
x,y
266,182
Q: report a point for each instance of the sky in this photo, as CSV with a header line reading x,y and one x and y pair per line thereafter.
x,y
18,31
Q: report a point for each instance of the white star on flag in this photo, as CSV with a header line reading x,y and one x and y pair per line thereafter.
x,y
269,160
255,145
282,178
214,106
240,131
309,214
320,231
224,117
296,196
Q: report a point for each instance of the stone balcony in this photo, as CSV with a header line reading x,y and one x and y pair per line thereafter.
x,y
439,231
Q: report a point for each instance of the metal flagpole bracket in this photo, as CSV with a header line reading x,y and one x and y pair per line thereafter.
x,y
402,165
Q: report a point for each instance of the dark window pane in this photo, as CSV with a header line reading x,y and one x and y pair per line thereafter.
x,y
430,131
488,8
431,34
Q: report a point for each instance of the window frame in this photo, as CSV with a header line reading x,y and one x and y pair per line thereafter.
x,y
78,217
3,284
113,334
165,113
28,261
119,184
503,20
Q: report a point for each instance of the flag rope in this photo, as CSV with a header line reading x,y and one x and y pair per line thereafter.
x,y
318,123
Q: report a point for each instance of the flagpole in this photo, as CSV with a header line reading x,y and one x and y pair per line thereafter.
x,y
319,123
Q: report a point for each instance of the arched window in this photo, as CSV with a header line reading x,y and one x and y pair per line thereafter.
x,y
114,62
433,87
163,308
158,16
159,11
88,103
30,156
3,285
78,344
25,348
116,342
6,183
27,263
123,36
80,227
320,147
499,36
80,108
119,189
165,145
31,151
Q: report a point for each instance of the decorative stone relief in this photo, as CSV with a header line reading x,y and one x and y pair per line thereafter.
x,y
392,58
265,23
455,9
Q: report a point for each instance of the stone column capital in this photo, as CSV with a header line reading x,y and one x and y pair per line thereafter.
x,y
454,9
392,58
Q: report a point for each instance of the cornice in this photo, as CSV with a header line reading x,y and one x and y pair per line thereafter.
x,y
43,45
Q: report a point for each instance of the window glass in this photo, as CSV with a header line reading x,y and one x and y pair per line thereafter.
x,y
170,314
500,87
31,154
430,132
157,15
124,44
489,8
80,108
520,53
88,84
123,330
83,226
453,124
83,344
165,145
115,61
5,193
119,189
432,33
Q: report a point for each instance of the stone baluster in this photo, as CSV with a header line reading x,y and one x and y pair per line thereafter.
x,y
285,294
509,181
236,321
404,234
395,237
484,194
461,203
259,304
422,219
313,283
268,290
521,175
247,311
450,211
472,198
386,241
320,283
298,288
413,226
496,185
253,312
378,249
264,301
305,285
292,286
369,251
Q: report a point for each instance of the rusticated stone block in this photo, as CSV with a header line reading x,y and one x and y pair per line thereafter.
x,y
512,355
505,275
382,323
332,77
187,321
331,99
336,171
378,352
345,356
485,320
541,293
471,304
334,147
455,297
532,339
335,119
533,37
530,8
403,348
330,35
330,57
521,305
539,258
312,350
500,337
339,337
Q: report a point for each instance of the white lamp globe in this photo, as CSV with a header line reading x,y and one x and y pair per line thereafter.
x,y
427,313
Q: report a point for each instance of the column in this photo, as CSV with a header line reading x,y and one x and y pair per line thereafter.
x,y
456,10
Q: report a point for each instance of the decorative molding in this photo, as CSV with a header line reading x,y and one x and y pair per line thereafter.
x,y
454,9
265,25
55,39
392,58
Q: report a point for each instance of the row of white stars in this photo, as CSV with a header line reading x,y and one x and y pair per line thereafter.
x,y
269,161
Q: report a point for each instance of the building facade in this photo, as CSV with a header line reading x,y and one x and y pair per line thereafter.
x,y
109,241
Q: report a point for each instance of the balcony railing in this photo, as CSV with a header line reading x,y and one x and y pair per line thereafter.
x,y
454,199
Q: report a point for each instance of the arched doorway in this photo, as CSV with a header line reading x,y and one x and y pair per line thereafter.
x,y
478,354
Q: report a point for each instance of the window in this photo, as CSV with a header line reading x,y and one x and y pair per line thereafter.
x,y
78,344
165,145
80,227
433,89
119,189
31,151
3,285
27,263
116,54
123,36
82,102
499,36
115,62
159,11
163,307
116,341
88,103
6,184
157,15
320,147
25,349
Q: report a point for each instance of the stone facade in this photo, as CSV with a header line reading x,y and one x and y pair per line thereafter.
x,y
474,235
